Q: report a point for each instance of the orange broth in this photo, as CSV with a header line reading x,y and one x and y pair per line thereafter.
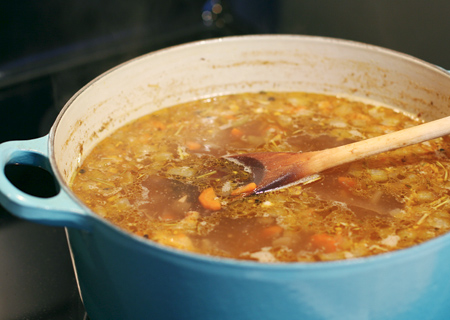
x,y
161,177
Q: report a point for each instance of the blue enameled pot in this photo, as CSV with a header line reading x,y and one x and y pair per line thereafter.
x,y
122,276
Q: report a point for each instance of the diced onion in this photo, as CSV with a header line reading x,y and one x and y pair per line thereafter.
x,y
425,196
378,175
338,124
182,171
264,255
163,156
437,222
391,240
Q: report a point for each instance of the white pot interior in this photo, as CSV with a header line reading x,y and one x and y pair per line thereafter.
x,y
242,64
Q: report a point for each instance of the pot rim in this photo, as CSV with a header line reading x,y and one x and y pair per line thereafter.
x,y
392,257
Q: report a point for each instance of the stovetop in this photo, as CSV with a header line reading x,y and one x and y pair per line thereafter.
x,y
51,48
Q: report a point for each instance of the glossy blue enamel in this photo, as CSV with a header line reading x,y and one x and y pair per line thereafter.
x,y
60,210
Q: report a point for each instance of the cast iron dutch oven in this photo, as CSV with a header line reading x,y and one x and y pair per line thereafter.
x,y
122,276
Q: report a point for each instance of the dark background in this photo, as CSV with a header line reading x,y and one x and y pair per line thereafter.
x,y
50,48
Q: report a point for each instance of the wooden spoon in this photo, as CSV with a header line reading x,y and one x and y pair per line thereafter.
x,y
276,170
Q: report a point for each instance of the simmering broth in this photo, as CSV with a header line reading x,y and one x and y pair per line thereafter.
x,y
162,177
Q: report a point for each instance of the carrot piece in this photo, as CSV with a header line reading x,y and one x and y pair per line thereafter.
x,y
209,200
193,146
244,189
272,231
237,133
347,182
325,242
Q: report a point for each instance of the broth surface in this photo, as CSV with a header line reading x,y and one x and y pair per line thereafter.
x,y
161,177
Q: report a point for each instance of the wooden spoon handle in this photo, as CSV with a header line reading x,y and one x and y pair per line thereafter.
x,y
329,158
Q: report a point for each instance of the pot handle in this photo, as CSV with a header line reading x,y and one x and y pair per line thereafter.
x,y
59,210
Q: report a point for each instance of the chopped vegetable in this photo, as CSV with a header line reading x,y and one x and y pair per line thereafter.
x,y
272,231
378,175
347,182
193,146
324,242
237,133
209,200
248,188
